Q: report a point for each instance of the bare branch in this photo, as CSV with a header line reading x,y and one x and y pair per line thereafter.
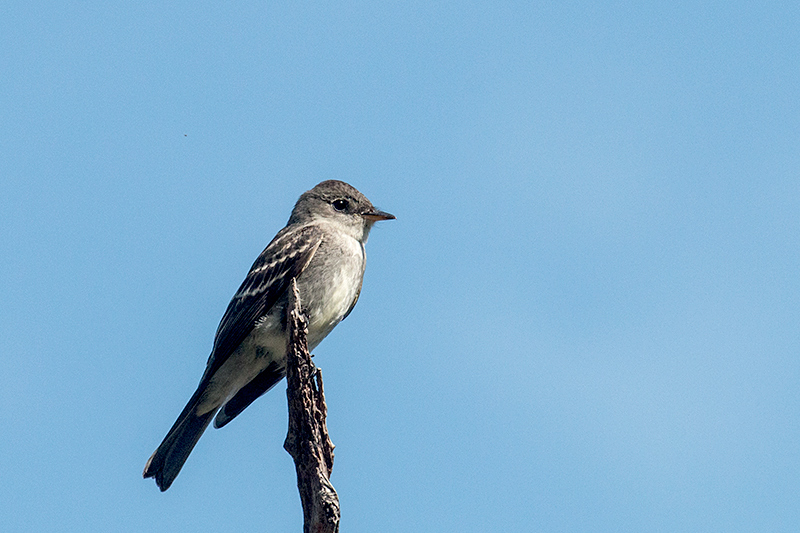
x,y
307,440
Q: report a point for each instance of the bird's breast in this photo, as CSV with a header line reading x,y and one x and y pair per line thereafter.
x,y
330,284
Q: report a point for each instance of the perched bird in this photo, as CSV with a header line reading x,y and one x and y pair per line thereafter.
x,y
322,246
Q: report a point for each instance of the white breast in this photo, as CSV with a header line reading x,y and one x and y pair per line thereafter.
x,y
339,284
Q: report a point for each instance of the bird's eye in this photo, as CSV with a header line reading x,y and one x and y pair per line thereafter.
x,y
340,205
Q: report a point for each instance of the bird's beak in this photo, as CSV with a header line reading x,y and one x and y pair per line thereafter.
x,y
376,215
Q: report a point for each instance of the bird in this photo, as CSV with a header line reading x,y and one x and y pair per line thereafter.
x,y
322,247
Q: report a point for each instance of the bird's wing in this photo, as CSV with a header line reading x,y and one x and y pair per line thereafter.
x,y
284,258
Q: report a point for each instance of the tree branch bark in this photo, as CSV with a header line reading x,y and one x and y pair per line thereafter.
x,y
307,440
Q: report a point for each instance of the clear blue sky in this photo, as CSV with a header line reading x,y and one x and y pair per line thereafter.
x,y
584,319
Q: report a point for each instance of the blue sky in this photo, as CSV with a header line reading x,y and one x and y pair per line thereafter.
x,y
585,317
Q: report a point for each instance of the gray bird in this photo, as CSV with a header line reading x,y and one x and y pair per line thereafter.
x,y
322,246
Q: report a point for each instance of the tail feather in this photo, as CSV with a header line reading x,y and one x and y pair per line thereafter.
x,y
168,459
260,384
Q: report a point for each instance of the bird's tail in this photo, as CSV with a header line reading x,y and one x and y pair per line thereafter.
x,y
167,461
